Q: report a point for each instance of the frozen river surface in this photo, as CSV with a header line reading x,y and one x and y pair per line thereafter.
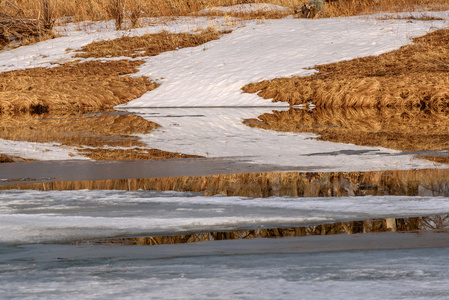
x,y
219,272
35,262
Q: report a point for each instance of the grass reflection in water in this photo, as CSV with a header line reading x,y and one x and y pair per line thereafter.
x,y
405,129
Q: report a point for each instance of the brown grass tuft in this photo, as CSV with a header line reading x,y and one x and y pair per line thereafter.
x,y
84,86
131,154
395,128
47,12
115,11
11,159
357,7
149,44
17,26
415,75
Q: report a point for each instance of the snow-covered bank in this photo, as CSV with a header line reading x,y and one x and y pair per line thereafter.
x,y
214,74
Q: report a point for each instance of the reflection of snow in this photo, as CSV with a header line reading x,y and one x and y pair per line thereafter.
x,y
38,151
219,132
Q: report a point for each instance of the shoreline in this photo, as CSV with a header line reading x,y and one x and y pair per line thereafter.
x,y
54,171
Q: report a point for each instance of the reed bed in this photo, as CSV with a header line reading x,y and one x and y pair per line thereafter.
x,y
109,9
29,21
17,25
41,15
411,224
416,75
432,182
359,7
398,128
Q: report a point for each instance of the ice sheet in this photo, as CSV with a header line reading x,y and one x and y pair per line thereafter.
x,y
39,216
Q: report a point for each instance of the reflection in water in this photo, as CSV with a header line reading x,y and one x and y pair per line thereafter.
x,y
99,136
335,184
219,132
406,129
413,224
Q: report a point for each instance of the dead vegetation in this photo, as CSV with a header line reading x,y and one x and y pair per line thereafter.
x,y
120,10
358,7
17,26
92,85
75,87
131,154
149,44
28,21
416,75
10,159
416,129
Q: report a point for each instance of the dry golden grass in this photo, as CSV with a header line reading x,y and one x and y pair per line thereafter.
x,y
128,12
415,75
357,7
395,128
11,159
131,154
149,44
72,87
110,9
101,9
335,184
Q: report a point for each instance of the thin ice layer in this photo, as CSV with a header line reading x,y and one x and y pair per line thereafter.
x,y
37,216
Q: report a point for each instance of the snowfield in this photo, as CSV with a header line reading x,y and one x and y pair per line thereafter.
x,y
213,74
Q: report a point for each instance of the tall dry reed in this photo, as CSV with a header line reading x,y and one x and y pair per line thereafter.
x,y
100,9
